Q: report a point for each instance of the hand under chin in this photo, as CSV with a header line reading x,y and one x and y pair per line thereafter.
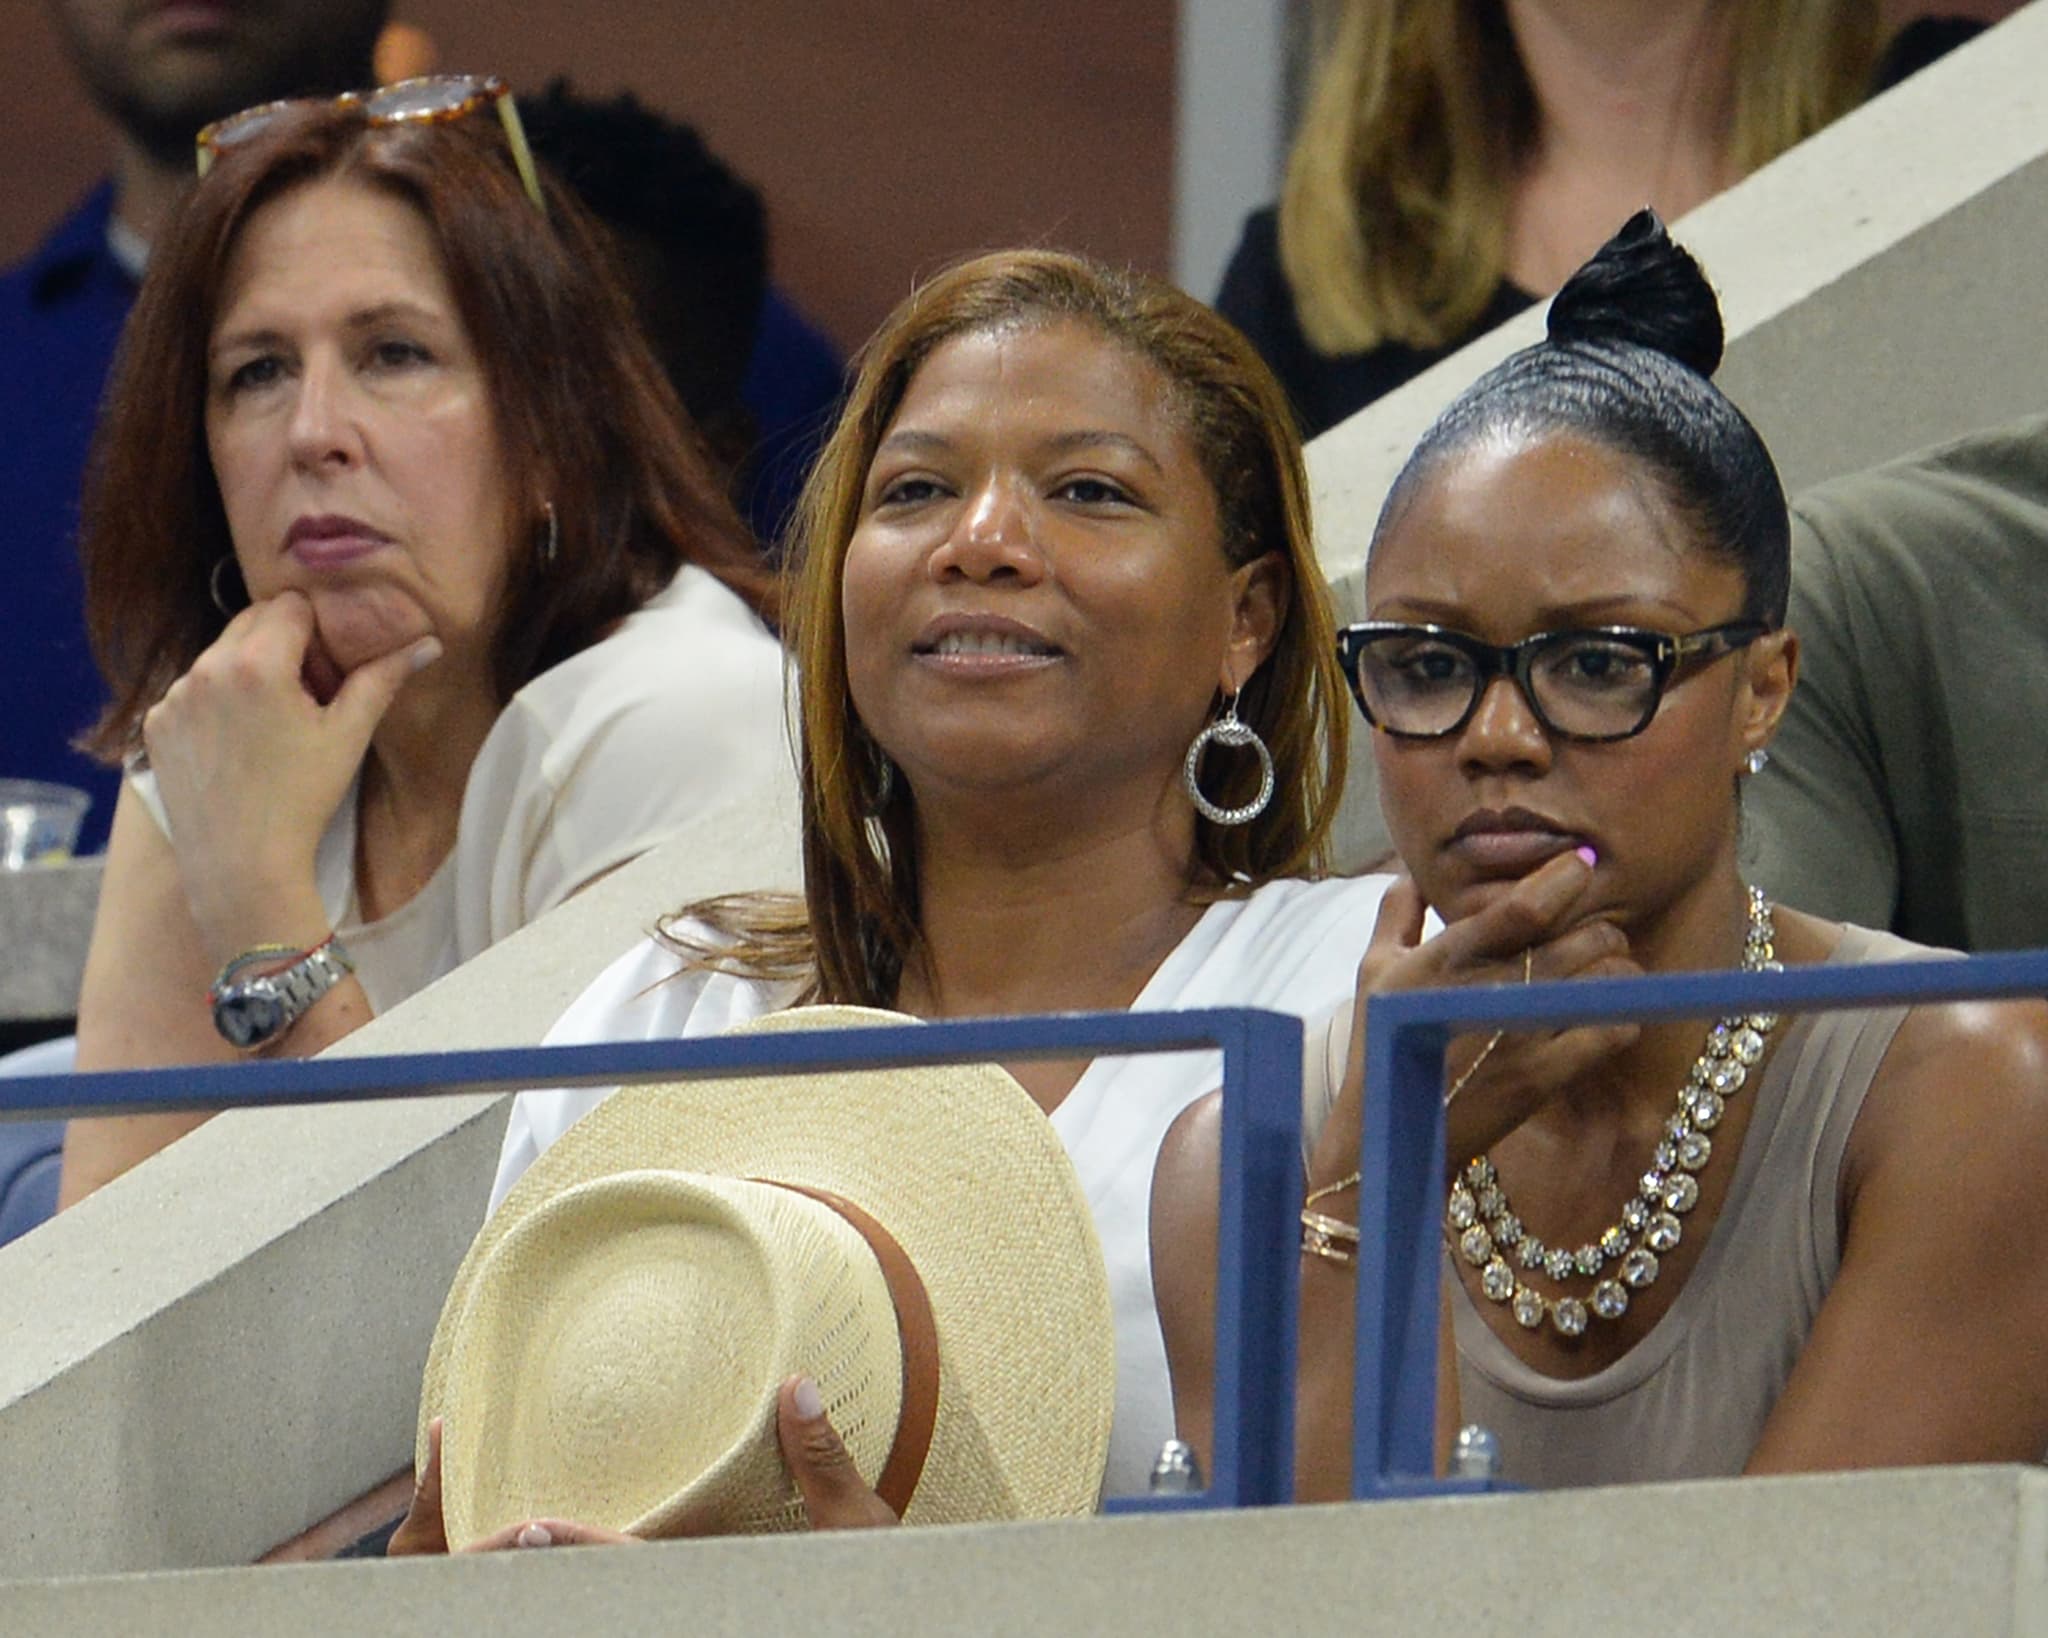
x,y
353,626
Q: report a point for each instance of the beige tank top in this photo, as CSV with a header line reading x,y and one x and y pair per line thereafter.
x,y
1690,1400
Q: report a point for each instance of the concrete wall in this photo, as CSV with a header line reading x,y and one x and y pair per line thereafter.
x,y
1231,128
225,1345
1960,1552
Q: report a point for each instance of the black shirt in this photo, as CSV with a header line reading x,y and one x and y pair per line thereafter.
x,y
1325,388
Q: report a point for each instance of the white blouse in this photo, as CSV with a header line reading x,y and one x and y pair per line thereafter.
x,y
1291,946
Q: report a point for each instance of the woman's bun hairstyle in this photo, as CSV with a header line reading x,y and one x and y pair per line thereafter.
x,y
1634,339
1640,289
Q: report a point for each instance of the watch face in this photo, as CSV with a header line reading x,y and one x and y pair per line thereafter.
x,y
249,1017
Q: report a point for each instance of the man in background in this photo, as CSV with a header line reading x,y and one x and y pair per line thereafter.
x,y
159,73
1908,786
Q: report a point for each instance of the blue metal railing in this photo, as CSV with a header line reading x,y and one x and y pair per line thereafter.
x,y
1252,1463
1402,1171
1401,1187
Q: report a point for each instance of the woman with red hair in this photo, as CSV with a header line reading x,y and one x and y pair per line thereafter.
x,y
419,602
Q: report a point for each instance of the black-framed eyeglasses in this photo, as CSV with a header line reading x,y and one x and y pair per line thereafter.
x,y
1593,683
429,99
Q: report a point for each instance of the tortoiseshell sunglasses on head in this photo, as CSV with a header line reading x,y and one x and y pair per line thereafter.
x,y
429,100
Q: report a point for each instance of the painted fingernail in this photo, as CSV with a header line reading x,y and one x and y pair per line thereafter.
x,y
536,1535
1586,852
425,652
809,1403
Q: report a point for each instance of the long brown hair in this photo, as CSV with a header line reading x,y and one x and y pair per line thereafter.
x,y
860,919
1393,218
583,412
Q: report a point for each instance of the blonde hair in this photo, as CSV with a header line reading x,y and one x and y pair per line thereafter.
x,y
1394,214
859,922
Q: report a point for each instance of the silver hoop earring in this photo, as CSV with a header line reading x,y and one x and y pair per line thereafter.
x,y
1227,730
1754,762
551,543
213,587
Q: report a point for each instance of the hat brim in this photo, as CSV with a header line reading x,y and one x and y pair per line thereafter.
x,y
967,1174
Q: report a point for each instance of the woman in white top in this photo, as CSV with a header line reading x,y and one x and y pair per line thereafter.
x,y
1060,534
407,575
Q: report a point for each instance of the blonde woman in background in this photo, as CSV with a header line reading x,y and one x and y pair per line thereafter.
x,y
1459,158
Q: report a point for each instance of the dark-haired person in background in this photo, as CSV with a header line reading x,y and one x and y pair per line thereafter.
x,y
692,240
409,577
1770,1244
1908,787
760,381
1457,158
159,74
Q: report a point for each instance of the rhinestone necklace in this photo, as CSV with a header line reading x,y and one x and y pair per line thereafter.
x,y
1487,1233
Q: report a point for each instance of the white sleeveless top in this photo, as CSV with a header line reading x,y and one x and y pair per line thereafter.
x,y
1292,946
592,763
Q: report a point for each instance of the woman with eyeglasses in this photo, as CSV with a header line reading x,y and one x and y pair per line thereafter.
x,y
1755,1244
419,603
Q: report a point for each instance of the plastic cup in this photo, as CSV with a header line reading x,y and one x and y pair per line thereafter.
x,y
38,822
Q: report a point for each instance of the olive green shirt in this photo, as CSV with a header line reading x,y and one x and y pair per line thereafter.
x,y
1908,787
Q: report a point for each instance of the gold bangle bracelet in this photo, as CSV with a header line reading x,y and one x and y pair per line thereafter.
x,y
1330,1238
1334,1228
1492,1041
1329,1189
1317,1241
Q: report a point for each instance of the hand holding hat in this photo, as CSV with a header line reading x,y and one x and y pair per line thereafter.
x,y
625,1341
835,1496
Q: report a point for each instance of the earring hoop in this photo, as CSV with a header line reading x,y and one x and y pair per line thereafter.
x,y
213,587
1227,730
551,543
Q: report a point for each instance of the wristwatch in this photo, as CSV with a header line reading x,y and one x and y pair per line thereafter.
x,y
252,1012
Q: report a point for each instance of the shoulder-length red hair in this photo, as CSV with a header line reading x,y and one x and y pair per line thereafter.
x,y
585,417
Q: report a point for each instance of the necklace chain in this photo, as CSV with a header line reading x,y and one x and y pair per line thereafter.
x,y
1487,1233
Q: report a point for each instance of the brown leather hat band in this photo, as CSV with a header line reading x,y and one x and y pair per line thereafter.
x,y
919,1336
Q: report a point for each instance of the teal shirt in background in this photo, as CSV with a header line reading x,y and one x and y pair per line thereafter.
x,y
1908,787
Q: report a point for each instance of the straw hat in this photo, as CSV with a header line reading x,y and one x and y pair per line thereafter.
x,y
613,1344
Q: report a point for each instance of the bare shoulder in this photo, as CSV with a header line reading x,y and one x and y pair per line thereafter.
x,y
1982,1060
1195,1136
1185,1178
1962,1089
1185,1185
1996,1050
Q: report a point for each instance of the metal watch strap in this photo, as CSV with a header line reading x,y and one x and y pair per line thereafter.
x,y
310,977
251,1013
